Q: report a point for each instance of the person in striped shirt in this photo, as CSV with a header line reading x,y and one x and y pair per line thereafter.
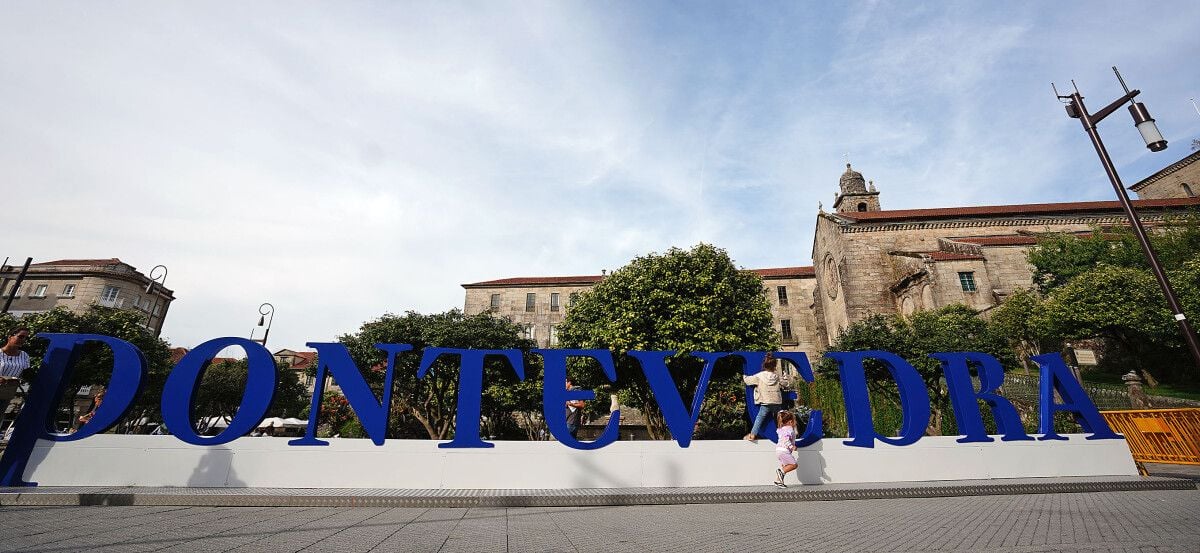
x,y
13,362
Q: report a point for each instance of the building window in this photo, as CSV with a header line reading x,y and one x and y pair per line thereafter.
x,y
15,291
110,294
574,297
530,301
862,206
553,335
495,301
39,292
529,332
967,280
68,291
1188,190
785,329
554,301
782,292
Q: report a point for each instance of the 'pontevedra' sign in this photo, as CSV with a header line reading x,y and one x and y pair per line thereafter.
x,y
129,371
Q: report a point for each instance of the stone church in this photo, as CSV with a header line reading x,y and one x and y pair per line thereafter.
x,y
869,260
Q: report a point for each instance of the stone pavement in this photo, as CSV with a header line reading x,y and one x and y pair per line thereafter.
x,y
455,498
1103,521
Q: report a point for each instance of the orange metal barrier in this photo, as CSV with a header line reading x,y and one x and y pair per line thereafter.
x,y
1159,435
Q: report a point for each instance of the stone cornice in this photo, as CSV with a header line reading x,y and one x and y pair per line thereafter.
x,y
976,223
1188,160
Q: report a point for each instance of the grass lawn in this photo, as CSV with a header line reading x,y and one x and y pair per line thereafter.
x,y
1174,389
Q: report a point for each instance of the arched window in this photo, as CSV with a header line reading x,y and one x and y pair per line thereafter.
x,y
1188,190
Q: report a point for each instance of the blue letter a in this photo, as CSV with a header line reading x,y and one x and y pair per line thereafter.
x,y
1057,377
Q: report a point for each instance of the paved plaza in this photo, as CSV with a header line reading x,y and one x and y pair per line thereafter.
x,y
1103,521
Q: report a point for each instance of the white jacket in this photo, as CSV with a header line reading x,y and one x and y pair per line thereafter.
x,y
768,387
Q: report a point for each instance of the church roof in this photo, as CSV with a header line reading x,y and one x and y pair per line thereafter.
x,y
985,211
778,272
79,262
538,281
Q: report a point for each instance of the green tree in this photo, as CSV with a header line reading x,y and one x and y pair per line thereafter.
x,y
1020,318
1124,305
1058,258
683,301
94,365
223,385
951,328
1100,286
431,401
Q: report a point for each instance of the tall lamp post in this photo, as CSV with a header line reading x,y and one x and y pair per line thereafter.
x,y
1156,143
266,314
150,290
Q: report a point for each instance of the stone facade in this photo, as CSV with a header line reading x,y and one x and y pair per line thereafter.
x,y
1177,180
792,309
867,260
77,284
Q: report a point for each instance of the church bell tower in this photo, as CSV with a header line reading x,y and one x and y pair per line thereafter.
x,y
855,194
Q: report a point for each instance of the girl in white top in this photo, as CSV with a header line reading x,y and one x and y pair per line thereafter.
x,y
13,361
786,446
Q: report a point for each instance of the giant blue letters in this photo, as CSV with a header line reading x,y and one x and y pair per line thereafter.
x,y
965,400
36,420
470,388
181,386
555,395
914,399
815,430
1057,377
681,422
334,360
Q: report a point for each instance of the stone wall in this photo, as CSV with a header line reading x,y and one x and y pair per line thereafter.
x,y
512,306
1178,180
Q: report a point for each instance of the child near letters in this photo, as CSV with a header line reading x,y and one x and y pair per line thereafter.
x,y
786,446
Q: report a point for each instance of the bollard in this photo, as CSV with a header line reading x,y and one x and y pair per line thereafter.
x,y
1137,396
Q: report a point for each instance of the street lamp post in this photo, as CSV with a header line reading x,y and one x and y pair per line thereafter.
x,y
1156,143
266,313
150,290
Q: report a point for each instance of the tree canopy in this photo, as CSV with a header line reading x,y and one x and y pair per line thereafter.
x,y
94,365
1100,286
683,301
223,386
951,328
432,400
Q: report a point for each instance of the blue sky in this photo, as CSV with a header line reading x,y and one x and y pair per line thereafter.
x,y
343,160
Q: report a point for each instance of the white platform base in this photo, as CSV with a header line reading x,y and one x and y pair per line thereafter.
x,y
133,460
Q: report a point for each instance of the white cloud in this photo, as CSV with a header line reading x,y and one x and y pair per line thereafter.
x,y
342,161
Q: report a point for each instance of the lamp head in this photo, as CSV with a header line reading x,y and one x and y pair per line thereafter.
x,y
1145,125
262,319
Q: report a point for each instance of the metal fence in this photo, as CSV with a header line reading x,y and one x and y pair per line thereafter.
x,y
1025,388
1159,435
